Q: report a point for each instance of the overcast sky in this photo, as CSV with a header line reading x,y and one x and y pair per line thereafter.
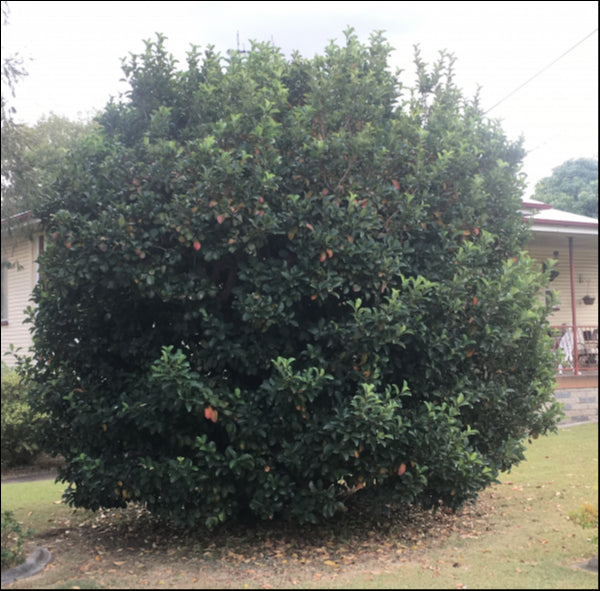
x,y
73,54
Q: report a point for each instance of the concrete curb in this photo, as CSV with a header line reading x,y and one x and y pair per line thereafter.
x,y
591,565
563,425
34,564
29,477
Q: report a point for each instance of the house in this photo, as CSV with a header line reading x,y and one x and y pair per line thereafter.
x,y
22,242
570,239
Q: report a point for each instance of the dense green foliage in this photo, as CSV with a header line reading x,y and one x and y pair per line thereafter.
x,y
573,186
268,283
20,424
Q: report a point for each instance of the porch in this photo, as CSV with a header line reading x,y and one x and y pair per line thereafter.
x,y
577,372
571,241
577,356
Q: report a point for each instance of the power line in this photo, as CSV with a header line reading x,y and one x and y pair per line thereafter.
x,y
541,71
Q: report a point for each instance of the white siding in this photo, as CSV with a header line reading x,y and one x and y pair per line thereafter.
x,y
585,265
21,251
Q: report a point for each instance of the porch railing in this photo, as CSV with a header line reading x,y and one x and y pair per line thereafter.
x,y
577,355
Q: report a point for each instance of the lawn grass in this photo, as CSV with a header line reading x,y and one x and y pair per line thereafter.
x,y
518,536
527,541
35,503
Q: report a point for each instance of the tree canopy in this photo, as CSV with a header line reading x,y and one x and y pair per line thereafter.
x,y
572,186
12,71
33,157
271,283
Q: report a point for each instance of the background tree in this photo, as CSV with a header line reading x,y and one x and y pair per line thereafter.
x,y
35,157
12,71
572,186
269,283
31,155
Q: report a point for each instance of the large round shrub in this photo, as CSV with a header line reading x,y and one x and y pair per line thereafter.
x,y
270,282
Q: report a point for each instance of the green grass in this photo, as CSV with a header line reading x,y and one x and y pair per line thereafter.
x,y
518,536
528,540
37,504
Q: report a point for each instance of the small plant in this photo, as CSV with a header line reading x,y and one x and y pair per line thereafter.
x,y
587,517
13,539
19,424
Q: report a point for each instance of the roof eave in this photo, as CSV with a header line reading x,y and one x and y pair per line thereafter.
x,y
581,229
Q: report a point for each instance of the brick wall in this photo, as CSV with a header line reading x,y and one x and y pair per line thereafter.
x,y
579,404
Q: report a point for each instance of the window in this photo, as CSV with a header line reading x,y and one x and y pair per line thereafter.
x,y
40,251
4,294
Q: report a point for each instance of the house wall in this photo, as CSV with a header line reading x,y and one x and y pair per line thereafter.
x,y
21,250
585,263
577,394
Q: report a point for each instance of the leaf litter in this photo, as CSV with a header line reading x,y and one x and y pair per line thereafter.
x,y
130,547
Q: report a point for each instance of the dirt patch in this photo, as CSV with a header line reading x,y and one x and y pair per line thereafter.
x,y
131,549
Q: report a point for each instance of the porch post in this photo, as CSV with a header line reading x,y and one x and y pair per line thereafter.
x,y
573,305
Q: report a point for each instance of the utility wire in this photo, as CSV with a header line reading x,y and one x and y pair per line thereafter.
x,y
541,71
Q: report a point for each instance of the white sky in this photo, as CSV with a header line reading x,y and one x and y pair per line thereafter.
x,y
73,53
